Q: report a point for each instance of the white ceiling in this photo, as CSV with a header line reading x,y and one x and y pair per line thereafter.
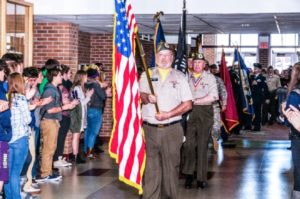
x,y
196,23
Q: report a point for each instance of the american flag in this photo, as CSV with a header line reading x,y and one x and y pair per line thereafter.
x,y
127,144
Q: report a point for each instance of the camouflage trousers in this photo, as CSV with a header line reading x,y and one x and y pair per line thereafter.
x,y
216,129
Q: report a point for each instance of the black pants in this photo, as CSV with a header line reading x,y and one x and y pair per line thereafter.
x,y
296,163
257,106
62,134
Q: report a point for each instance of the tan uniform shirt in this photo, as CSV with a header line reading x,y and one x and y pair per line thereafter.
x,y
273,82
205,85
170,93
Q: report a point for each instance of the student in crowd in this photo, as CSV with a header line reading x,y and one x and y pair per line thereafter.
x,y
30,75
65,88
51,114
94,111
49,64
18,145
105,86
14,62
293,100
5,125
79,114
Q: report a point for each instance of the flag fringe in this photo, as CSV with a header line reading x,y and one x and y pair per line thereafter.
x,y
112,154
132,184
234,125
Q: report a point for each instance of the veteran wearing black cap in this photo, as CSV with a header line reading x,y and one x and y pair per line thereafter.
x,y
205,91
163,131
259,94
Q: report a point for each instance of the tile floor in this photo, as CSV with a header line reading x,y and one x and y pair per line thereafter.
x,y
251,167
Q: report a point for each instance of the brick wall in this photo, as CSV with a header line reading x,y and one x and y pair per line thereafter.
x,y
55,40
148,47
84,47
209,53
263,55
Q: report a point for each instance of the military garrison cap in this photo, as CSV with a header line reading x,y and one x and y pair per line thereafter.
x,y
163,46
199,56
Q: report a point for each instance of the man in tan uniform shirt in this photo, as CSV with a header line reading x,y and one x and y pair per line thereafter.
x,y
273,82
163,132
205,91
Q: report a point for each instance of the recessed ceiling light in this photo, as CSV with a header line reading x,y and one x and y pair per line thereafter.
x,y
245,25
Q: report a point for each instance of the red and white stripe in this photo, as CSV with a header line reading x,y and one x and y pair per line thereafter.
x,y
127,142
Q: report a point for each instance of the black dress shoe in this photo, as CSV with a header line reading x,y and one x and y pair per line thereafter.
x,y
201,184
188,182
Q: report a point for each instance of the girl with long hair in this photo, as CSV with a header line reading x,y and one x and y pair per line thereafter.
x,y
79,114
293,99
18,145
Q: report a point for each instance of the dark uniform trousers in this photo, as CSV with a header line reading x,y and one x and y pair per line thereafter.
x,y
162,161
257,106
198,132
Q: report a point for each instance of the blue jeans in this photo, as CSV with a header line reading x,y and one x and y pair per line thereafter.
x,y
94,123
17,154
36,165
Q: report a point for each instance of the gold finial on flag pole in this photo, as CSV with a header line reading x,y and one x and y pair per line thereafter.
x,y
157,16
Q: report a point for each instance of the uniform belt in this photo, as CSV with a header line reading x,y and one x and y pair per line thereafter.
x,y
161,125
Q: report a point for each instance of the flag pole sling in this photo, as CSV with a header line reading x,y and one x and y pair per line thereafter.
x,y
142,54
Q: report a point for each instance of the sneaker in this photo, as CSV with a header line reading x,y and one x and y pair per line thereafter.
x,y
66,163
54,177
31,189
40,179
60,163
91,156
34,182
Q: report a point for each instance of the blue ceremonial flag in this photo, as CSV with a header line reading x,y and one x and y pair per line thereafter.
x,y
245,89
159,36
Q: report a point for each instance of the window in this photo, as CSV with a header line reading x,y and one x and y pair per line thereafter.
x,y
16,28
284,39
243,41
248,54
249,40
235,39
284,50
222,39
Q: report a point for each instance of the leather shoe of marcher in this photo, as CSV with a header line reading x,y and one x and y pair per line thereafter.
x,y
188,182
201,184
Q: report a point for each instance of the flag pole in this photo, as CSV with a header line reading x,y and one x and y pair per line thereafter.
x,y
142,54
